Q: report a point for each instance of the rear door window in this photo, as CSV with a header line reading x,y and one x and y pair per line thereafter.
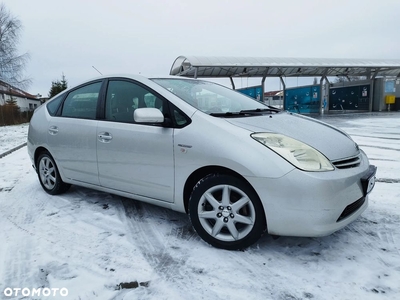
x,y
82,102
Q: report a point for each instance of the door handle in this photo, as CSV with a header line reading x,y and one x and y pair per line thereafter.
x,y
104,137
53,130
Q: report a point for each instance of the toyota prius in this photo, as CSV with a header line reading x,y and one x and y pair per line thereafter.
x,y
237,167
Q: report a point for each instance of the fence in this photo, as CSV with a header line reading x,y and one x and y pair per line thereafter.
x,y
11,115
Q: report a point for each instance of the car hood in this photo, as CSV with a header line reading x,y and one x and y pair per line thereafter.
x,y
329,140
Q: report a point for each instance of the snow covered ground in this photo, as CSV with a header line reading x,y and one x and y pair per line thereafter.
x,y
12,136
90,242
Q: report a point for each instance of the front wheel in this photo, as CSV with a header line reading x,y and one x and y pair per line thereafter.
x,y
49,176
226,212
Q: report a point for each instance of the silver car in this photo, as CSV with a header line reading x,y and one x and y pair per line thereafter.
x,y
236,166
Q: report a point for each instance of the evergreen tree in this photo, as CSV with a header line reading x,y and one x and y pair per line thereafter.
x,y
58,86
11,101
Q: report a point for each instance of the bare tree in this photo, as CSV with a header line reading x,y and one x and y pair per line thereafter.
x,y
12,64
349,78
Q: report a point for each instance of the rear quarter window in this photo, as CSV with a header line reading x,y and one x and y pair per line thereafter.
x,y
53,105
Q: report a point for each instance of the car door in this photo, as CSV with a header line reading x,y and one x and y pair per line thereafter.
x,y
72,134
134,158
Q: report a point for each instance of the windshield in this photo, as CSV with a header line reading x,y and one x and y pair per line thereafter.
x,y
209,97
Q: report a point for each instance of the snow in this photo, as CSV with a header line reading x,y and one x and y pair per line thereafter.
x,y
90,242
12,136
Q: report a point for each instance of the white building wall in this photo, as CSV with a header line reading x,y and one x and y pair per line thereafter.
x,y
27,104
23,103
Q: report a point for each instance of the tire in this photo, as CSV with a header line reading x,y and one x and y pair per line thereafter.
x,y
48,174
226,212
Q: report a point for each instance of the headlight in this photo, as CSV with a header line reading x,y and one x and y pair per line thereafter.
x,y
297,153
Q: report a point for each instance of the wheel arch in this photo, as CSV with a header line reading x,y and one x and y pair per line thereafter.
x,y
203,172
54,183
38,151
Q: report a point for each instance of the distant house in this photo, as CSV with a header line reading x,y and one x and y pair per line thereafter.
x,y
24,100
274,98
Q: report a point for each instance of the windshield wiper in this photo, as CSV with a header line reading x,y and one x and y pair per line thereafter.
x,y
229,114
246,112
261,110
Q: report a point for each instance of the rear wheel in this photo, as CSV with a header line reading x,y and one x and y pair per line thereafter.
x,y
49,176
226,212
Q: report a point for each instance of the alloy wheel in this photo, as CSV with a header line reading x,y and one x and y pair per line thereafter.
x,y
226,213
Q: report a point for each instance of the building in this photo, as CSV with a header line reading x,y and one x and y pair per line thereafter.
x,y
274,98
24,100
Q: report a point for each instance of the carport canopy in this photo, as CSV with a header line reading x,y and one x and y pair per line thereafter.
x,y
263,67
213,67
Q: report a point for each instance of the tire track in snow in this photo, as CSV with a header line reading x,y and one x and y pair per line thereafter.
x,y
374,233
17,260
20,236
164,237
32,250
154,249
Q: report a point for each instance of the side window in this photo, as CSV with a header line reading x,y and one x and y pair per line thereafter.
x,y
81,103
123,97
181,120
53,105
155,102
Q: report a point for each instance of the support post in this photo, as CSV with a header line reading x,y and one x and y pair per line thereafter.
x,y
232,83
262,84
321,96
371,90
327,90
284,92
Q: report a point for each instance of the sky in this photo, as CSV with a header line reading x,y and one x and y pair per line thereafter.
x,y
131,36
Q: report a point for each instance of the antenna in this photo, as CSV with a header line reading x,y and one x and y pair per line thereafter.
x,y
97,70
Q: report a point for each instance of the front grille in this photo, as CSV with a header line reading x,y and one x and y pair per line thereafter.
x,y
351,208
348,162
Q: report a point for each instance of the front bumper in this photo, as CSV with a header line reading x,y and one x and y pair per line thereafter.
x,y
314,203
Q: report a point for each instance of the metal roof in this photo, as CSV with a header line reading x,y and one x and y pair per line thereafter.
x,y
8,89
202,66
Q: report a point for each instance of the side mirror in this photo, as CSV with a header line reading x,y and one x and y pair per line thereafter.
x,y
148,115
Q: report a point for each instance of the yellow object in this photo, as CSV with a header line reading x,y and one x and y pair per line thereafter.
x,y
390,99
